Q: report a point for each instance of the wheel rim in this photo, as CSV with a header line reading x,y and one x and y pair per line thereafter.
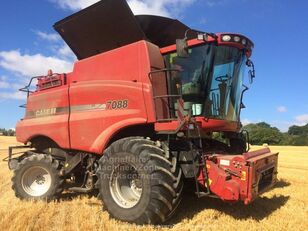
x,y
125,186
36,181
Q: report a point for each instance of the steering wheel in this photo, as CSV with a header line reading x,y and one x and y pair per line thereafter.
x,y
223,78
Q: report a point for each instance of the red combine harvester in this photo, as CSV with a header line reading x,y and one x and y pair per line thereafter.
x,y
149,104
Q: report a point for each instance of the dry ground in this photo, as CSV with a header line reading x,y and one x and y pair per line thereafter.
x,y
284,208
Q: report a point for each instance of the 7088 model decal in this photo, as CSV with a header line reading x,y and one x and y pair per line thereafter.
x,y
117,104
109,105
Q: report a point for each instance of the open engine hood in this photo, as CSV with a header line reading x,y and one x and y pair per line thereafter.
x,y
109,24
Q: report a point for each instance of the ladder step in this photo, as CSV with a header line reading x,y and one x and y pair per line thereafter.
x,y
202,194
80,189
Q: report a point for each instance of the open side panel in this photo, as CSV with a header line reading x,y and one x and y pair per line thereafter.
x,y
110,24
161,31
104,26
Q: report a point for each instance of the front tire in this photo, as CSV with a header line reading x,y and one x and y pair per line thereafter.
x,y
37,177
139,181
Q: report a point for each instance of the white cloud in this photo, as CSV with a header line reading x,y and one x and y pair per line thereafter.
x,y
52,37
157,7
9,89
13,95
66,52
24,66
60,48
74,4
9,85
32,65
4,84
302,119
281,109
146,7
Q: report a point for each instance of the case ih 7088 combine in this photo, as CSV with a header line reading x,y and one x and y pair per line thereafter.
x,y
139,115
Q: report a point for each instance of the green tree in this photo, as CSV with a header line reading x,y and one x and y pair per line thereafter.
x,y
261,133
299,140
298,130
6,132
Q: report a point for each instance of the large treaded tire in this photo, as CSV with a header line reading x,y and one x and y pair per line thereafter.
x,y
44,163
161,182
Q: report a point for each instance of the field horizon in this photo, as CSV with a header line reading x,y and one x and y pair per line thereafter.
x,y
283,208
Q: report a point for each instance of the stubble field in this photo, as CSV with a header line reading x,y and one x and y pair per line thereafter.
x,y
283,208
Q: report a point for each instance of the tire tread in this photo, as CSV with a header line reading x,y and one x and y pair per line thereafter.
x,y
166,181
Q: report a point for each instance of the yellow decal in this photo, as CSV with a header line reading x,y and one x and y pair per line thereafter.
x,y
208,166
210,181
243,175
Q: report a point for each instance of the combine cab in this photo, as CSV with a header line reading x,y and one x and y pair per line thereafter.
x,y
140,113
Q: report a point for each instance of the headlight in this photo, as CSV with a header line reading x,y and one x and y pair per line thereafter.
x,y
236,39
203,37
226,38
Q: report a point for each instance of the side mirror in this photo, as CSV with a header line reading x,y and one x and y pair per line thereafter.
x,y
252,72
182,48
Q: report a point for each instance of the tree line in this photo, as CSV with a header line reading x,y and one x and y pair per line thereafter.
x,y
7,132
260,133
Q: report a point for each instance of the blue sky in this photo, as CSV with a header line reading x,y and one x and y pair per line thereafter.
x,y
279,29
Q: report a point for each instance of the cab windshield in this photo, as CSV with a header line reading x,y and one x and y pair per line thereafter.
x,y
210,80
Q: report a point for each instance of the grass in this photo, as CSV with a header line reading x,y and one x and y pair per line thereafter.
x,y
283,208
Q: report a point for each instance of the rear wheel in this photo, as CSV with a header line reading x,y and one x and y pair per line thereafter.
x,y
37,177
139,181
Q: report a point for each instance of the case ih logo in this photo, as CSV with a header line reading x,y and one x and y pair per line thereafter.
x,y
45,112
